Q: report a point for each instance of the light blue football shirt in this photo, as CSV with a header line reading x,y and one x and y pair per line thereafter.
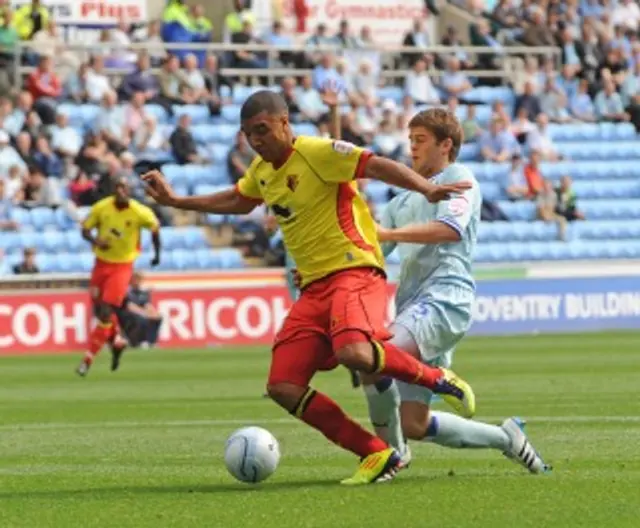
x,y
441,271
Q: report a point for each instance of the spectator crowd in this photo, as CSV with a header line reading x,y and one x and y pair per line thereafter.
x,y
45,160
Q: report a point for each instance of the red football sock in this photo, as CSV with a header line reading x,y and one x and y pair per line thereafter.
x,y
396,363
322,413
99,336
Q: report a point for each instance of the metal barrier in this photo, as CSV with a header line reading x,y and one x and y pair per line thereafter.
x,y
274,69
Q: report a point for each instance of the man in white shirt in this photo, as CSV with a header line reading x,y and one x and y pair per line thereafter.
x,y
626,14
97,82
418,85
540,140
65,140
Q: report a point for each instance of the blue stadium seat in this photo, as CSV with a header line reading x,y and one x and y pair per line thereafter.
x,y
10,242
193,238
241,93
483,113
43,218
158,112
193,175
54,242
218,152
30,239
224,134
229,258
184,259
21,217
395,93
230,113
47,263
600,150
74,242
469,152
199,113
305,129
607,189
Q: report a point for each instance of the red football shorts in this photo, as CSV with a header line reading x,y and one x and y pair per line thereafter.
x,y
345,307
110,282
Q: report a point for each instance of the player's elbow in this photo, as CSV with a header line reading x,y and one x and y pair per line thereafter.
x,y
376,168
243,205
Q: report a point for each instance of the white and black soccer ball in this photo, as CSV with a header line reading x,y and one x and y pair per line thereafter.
x,y
252,454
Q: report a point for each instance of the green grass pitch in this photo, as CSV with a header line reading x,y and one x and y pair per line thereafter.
x,y
143,447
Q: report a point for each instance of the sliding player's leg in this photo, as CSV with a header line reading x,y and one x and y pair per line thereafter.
x,y
361,341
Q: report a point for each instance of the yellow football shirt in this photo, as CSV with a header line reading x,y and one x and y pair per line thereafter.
x,y
326,224
121,228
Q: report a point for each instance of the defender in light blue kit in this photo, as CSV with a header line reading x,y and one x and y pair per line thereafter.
x,y
434,299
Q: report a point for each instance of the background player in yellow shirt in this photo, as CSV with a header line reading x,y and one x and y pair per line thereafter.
x,y
309,184
117,222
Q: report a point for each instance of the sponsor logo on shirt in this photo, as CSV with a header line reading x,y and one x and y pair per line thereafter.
x,y
458,206
343,147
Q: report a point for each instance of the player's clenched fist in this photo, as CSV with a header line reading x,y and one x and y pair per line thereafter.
x,y
437,193
158,188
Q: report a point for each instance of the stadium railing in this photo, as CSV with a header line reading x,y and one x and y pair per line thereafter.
x,y
509,57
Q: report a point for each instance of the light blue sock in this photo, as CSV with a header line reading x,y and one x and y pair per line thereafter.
x,y
450,430
383,399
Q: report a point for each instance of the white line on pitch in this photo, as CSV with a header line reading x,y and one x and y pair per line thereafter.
x,y
275,421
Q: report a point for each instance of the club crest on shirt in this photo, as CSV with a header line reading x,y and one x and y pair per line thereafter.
x,y
343,147
292,182
458,206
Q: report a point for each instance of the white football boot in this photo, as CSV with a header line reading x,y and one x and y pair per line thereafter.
x,y
521,450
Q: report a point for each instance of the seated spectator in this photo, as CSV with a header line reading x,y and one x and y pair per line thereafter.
x,y
65,140
547,203
45,87
498,144
200,24
30,18
97,82
452,39
213,81
310,101
82,190
386,141
532,174
245,58
367,118
6,206
522,126
75,85
531,75
14,120
365,83
418,85
149,137
631,85
183,145
609,105
47,160
417,38
582,107
344,38
288,92
94,154
506,14
111,123
139,319
13,184
278,37
174,88
615,63
538,33
553,102
626,13
28,265
8,40
38,190
567,205
24,148
350,131
515,186
319,39
470,127
134,114
325,74
239,158
454,81
540,140
529,101
365,40
33,125
499,110
568,82
481,36
194,80
141,80
572,51
48,41
121,55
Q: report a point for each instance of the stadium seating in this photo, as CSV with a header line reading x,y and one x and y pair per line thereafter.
x,y
603,159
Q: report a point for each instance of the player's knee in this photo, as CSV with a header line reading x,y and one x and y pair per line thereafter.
x,y
102,312
286,395
356,356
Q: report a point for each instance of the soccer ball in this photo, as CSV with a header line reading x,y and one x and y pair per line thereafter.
x,y
251,454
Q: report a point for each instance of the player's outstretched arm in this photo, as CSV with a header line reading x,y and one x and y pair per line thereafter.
x,y
429,233
224,202
393,173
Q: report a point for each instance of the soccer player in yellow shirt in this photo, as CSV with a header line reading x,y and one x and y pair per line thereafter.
x,y
117,222
309,184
